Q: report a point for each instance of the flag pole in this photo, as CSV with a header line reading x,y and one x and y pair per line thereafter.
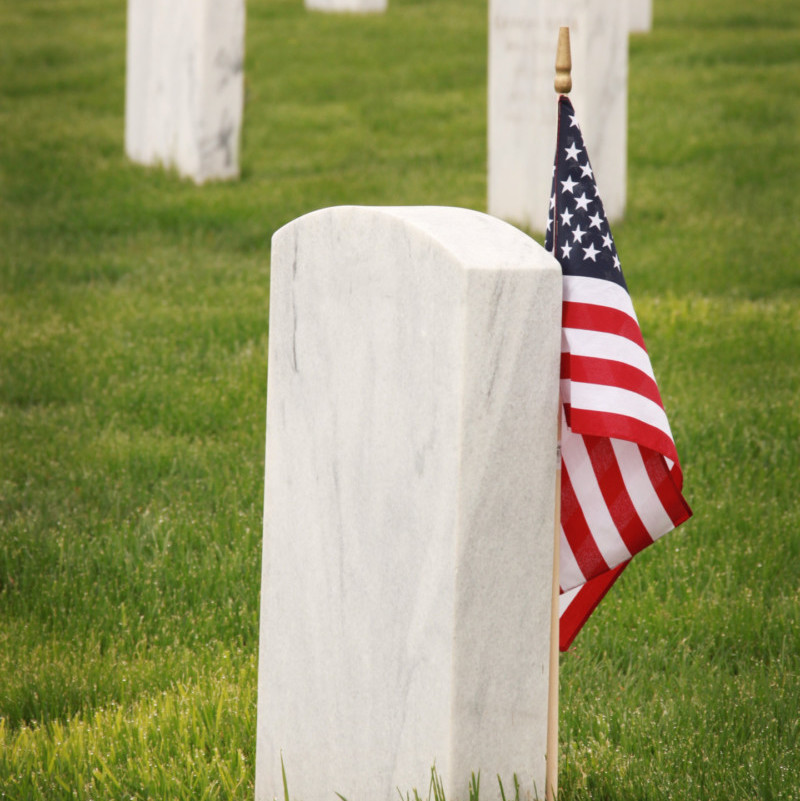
x,y
562,85
551,767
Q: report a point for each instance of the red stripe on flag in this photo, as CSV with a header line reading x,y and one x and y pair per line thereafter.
x,y
664,484
583,604
615,493
610,373
620,426
677,475
604,319
577,531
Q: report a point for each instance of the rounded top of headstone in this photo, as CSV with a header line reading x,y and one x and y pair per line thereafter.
x,y
478,241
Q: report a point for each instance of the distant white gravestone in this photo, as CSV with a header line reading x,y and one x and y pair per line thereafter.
x,y
409,504
641,16
522,103
185,85
354,6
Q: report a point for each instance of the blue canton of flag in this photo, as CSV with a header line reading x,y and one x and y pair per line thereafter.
x,y
584,242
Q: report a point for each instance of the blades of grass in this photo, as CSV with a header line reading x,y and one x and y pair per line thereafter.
x,y
437,785
475,787
285,783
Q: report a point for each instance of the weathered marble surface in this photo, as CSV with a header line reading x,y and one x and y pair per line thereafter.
x,y
522,102
354,6
409,503
185,85
640,19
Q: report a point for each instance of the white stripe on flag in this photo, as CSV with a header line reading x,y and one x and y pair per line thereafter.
x,y
591,500
640,489
565,599
611,347
597,292
601,398
569,573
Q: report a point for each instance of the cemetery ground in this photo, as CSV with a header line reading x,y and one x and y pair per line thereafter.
x,y
133,340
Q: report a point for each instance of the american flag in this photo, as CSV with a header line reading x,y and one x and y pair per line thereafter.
x,y
620,476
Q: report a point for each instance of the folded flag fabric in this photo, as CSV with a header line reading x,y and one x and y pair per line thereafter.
x,y
621,481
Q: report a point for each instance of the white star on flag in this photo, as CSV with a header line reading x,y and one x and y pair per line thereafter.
x,y
590,252
568,185
596,221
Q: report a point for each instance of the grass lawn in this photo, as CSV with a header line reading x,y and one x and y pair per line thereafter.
x,y
133,340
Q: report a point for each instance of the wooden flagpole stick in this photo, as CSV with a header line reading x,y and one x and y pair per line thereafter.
x,y
562,84
551,767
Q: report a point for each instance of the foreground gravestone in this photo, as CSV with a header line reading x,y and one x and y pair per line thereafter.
x,y
522,106
409,504
354,6
185,85
640,16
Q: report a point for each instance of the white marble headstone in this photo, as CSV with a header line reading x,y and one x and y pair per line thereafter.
x,y
185,85
522,103
409,504
353,6
640,16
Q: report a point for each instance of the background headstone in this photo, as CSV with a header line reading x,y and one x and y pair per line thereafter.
x,y
409,504
522,103
185,85
354,6
641,16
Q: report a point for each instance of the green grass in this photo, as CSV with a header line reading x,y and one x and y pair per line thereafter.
x,y
133,334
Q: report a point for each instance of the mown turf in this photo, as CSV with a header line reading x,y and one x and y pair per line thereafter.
x,y
133,333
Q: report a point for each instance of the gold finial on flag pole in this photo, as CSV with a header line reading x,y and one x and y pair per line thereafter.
x,y
563,81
